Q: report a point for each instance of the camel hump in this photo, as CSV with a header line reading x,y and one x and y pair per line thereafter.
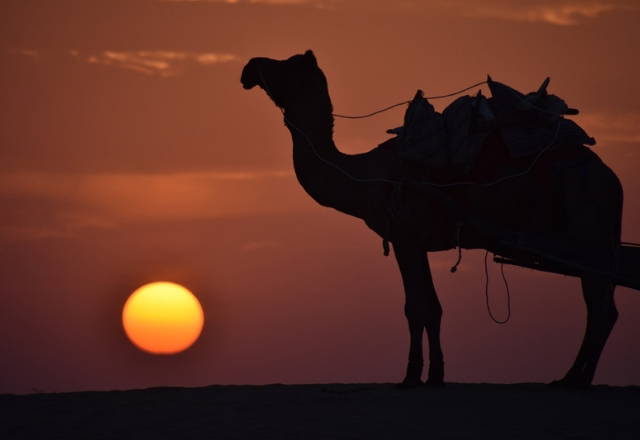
x,y
453,140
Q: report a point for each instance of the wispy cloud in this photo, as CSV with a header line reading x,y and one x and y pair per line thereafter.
x,y
37,205
320,4
161,62
165,63
558,13
50,224
271,2
612,128
27,53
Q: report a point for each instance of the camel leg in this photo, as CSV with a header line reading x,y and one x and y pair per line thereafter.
x,y
601,317
423,311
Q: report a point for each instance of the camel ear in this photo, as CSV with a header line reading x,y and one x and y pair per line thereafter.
x,y
309,56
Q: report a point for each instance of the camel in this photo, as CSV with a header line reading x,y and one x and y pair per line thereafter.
x,y
569,193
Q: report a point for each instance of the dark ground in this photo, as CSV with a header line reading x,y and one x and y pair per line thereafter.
x,y
519,411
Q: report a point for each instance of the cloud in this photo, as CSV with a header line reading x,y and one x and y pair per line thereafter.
x,y
38,205
57,224
151,62
566,13
162,62
560,14
278,2
317,3
27,53
612,128
270,2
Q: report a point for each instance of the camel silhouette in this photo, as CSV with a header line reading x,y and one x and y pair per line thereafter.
x,y
568,193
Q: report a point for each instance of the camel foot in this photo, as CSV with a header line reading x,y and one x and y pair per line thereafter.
x,y
434,383
406,384
410,383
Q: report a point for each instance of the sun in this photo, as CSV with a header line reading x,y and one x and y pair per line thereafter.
x,y
162,318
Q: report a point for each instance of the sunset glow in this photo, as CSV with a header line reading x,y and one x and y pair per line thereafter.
x,y
162,318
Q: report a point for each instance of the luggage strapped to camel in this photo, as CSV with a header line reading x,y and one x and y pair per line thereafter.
x,y
452,140
530,125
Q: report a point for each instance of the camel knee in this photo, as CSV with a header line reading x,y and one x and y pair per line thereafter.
x,y
415,315
423,311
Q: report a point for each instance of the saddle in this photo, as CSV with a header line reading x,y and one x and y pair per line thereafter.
x,y
452,140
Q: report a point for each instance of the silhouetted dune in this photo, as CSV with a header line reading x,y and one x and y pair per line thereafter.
x,y
328,412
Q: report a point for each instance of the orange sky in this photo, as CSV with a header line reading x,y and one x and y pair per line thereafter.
x,y
130,153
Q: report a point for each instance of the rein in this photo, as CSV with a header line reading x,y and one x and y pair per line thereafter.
x,y
423,186
407,102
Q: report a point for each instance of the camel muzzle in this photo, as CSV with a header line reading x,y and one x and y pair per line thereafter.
x,y
249,77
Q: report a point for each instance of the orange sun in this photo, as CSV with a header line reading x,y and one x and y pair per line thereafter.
x,y
162,318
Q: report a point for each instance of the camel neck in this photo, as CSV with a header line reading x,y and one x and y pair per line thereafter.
x,y
321,169
313,122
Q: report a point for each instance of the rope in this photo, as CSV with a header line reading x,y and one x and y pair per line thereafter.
x,y
486,291
456,243
465,183
456,93
313,147
407,102
328,162
371,114
380,180
396,183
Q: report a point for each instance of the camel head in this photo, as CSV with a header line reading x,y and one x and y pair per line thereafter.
x,y
284,81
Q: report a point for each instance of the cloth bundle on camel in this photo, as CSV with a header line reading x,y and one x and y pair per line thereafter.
x,y
452,140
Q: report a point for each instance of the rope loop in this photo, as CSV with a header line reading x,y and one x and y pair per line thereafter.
x,y
486,292
456,243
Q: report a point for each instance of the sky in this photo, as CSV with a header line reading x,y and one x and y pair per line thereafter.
x,y
130,153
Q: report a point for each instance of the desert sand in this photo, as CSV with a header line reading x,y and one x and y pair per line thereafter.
x,y
330,411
